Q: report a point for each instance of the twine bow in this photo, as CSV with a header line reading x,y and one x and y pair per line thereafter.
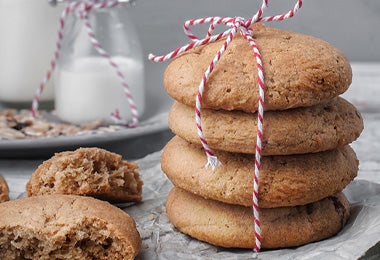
x,y
236,24
81,9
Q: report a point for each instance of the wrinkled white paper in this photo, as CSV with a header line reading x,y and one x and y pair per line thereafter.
x,y
162,241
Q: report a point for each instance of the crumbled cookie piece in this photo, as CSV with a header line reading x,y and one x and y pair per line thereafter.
x,y
90,172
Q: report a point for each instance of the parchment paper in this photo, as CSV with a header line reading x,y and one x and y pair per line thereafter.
x,y
160,240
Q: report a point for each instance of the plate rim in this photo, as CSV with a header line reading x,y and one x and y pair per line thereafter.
x,y
154,124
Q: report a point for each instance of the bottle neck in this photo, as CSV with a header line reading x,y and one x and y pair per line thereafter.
x,y
55,2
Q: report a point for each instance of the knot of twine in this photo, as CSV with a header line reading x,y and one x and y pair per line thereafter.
x,y
81,9
235,24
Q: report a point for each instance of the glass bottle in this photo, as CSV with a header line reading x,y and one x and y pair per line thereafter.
x,y
87,87
28,32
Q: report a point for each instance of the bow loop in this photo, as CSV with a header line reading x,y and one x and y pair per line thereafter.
x,y
238,22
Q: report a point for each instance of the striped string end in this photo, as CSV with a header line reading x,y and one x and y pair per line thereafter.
x,y
244,27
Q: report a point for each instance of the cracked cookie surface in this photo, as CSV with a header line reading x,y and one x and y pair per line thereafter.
x,y
299,70
296,131
66,227
289,180
88,171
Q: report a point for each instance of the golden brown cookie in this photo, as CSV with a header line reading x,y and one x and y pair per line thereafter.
x,y
87,171
4,190
299,70
284,180
232,226
303,130
66,227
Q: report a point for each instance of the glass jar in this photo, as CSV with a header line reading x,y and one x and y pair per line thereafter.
x,y
28,32
87,87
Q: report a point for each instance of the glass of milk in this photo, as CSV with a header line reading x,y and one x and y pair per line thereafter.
x,y
28,30
87,87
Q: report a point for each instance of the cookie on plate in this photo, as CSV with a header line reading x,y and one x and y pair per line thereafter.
x,y
232,226
299,70
284,180
87,171
66,227
295,131
4,190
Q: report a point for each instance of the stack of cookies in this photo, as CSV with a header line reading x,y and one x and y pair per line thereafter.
x,y
307,160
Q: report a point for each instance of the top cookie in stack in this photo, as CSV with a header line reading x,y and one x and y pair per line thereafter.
x,y
300,71
307,128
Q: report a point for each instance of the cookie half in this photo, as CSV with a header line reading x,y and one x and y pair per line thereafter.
x,y
87,171
4,190
66,227
296,131
232,226
299,70
284,180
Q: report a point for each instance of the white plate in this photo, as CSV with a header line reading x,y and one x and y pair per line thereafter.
x,y
44,147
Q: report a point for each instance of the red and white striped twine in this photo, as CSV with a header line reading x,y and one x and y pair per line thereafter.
x,y
81,9
236,24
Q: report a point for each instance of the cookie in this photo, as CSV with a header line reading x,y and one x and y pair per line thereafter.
x,y
299,70
87,171
287,180
232,226
303,130
4,190
66,227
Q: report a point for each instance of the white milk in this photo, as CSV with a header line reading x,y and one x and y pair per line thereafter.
x,y
88,89
28,30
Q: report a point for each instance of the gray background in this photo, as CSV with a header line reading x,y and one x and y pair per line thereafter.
x,y
351,25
